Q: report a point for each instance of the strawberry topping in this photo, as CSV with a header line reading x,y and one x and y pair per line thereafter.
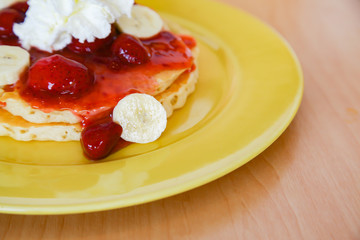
x,y
57,75
90,78
130,50
20,6
189,41
98,140
8,17
91,47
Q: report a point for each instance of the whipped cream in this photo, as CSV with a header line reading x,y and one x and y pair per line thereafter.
x,y
50,24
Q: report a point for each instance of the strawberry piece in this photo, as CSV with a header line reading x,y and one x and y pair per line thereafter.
x,y
7,19
130,50
91,47
98,140
85,47
57,75
20,6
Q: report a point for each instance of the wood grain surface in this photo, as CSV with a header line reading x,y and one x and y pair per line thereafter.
x,y
305,186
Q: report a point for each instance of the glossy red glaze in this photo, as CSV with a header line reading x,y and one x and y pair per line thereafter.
x,y
130,50
193,68
189,41
20,6
91,47
56,75
99,139
8,17
168,52
10,41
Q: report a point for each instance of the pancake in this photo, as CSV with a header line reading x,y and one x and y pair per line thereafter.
x,y
20,121
22,130
16,127
18,107
176,95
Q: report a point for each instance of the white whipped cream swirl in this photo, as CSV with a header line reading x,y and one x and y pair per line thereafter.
x,y
50,24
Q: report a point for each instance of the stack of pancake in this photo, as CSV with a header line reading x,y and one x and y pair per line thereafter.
x,y
24,123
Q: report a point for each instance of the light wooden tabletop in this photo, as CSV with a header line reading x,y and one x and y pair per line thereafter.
x,y
305,186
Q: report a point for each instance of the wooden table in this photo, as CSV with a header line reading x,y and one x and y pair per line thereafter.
x,y
305,186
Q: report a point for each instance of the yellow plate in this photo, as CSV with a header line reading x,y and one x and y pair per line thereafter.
x,y
249,90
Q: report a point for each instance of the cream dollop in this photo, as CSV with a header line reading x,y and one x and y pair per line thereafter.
x,y
50,24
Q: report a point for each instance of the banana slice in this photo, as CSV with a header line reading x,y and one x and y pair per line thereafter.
x,y
13,61
141,116
144,22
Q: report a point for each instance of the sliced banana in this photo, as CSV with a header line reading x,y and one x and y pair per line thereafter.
x,y
144,22
13,61
142,118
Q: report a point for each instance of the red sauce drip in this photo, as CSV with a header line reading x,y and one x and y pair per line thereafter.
x,y
14,41
10,88
193,68
101,137
189,41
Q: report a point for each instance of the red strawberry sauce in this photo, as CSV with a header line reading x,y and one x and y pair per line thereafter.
x,y
111,83
114,73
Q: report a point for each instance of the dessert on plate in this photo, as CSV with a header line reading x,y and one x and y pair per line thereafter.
x,y
103,72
